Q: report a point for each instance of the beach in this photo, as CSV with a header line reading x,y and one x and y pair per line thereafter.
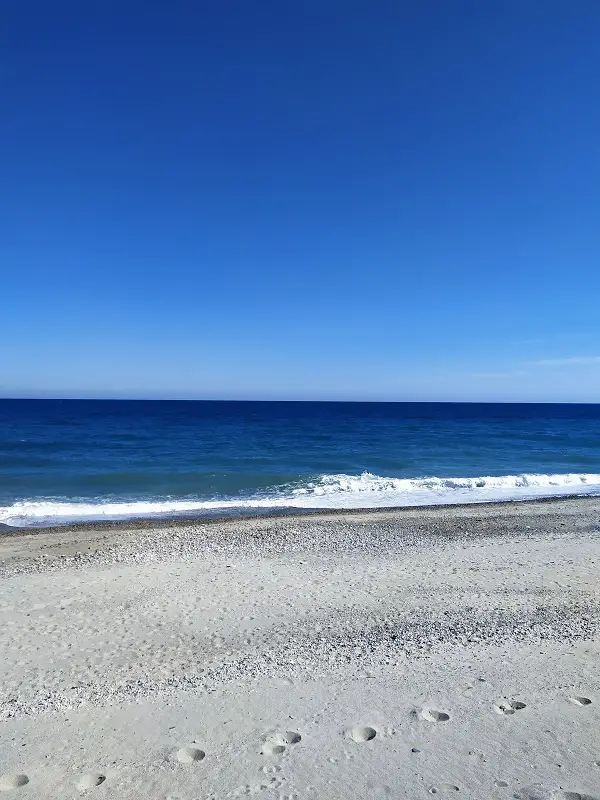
x,y
394,653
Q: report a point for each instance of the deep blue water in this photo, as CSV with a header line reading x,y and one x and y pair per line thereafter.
x,y
77,459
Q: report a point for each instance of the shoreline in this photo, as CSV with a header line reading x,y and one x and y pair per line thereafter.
x,y
285,513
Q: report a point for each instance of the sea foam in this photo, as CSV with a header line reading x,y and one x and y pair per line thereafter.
x,y
325,492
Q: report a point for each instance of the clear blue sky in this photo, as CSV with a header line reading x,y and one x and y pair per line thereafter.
x,y
317,199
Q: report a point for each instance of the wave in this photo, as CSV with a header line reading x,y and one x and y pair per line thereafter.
x,y
326,492
374,483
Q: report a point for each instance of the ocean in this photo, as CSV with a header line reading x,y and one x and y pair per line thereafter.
x,y
65,461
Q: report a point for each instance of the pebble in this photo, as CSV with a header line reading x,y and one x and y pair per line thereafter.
x,y
356,635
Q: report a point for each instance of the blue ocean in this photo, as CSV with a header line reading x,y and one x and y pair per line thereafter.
x,y
65,461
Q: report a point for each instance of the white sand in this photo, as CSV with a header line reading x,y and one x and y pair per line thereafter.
x,y
447,651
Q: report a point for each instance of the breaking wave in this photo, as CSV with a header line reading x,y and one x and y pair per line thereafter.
x,y
325,492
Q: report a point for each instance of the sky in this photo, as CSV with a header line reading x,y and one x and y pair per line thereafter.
x,y
300,200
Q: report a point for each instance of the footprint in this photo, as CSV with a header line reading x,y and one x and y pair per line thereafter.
x,y
276,743
270,769
431,715
190,755
272,749
509,707
288,737
580,701
443,788
90,779
362,733
8,782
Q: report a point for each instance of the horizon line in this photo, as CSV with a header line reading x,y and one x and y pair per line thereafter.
x,y
290,400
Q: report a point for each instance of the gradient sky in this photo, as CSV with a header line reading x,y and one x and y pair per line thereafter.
x,y
317,199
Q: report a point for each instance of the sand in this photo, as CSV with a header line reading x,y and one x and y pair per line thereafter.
x,y
400,654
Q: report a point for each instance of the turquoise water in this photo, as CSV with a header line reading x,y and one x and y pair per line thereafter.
x,y
69,460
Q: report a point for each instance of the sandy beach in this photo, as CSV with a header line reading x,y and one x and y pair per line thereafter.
x,y
400,654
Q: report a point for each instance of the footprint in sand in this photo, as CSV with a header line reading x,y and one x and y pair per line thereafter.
x,y
431,715
580,701
444,788
272,749
270,769
8,782
508,707
362,733
90,779
276,743
190,755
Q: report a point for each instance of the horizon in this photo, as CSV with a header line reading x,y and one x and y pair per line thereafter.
x,y
292,400
393,203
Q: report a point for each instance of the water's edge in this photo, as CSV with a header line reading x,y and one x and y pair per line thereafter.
x,y
149,523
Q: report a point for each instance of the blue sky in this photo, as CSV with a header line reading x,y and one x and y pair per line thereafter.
x,y
363,200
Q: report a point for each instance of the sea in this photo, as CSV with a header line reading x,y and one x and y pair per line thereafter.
x,y
69,461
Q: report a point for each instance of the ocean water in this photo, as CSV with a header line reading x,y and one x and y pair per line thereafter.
x,y
71,460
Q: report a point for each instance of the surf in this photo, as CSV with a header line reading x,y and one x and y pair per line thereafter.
x,y
328,491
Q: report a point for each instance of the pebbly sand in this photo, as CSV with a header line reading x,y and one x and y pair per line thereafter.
x,y
449,651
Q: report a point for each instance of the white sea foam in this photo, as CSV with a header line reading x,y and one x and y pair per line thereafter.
x,y
328,491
